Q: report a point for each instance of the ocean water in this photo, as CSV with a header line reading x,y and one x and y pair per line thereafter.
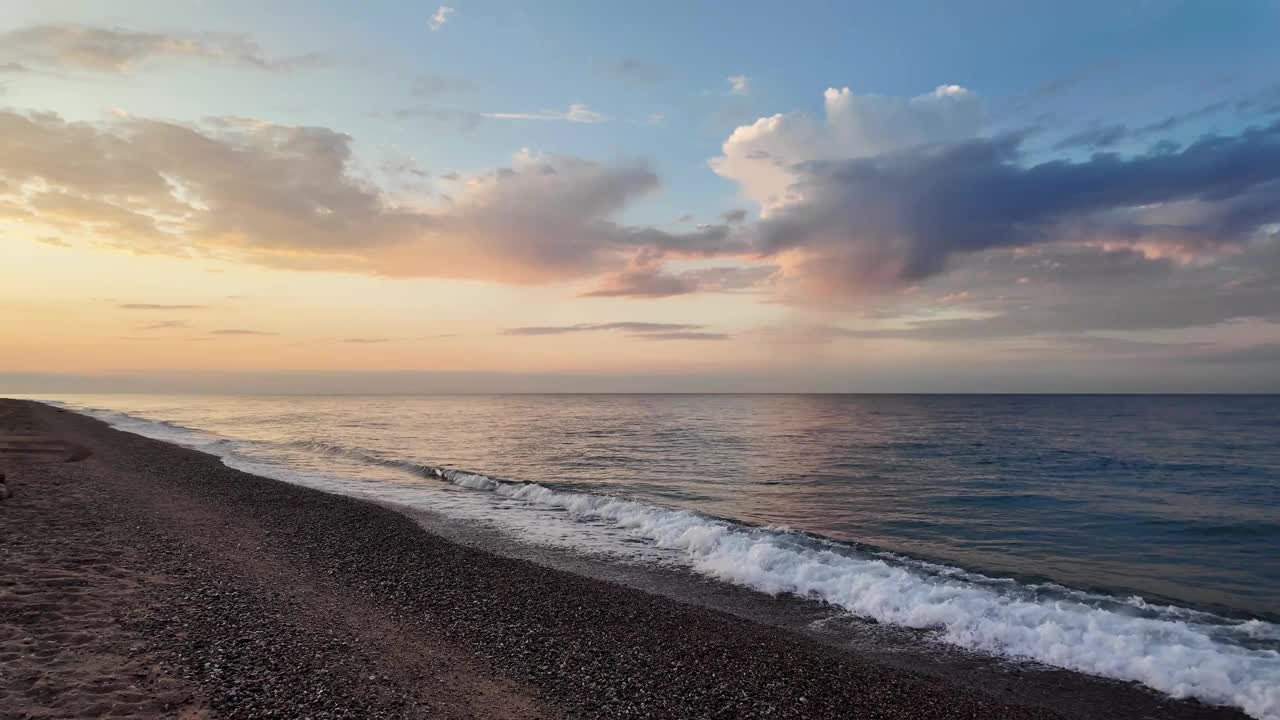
x,y
1130,537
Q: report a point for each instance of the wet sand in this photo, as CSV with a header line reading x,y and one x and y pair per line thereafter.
x,y
140,579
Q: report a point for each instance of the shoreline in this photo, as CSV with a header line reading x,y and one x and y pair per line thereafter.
x,y
184,588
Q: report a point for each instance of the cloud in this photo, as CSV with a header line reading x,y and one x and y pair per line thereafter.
x,y
648,281
165,325
1262,103
1095,137
887,191
867,223
236,189
1056,291
635,328
157,306
116,50
646,278
53,241
684,336
733,278
880,195
441,17
239,331
467,120
733,217
365,341
642,330
764,157
739,85
1106,136
577,112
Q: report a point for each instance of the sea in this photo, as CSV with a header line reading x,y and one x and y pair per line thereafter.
x,y
1129,537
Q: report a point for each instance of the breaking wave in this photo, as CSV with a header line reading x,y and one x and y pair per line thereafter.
x,y
1182,652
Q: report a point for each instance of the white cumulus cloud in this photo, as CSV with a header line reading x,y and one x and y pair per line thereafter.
x,y
761,157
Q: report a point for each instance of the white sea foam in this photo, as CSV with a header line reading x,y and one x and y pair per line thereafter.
x,y
1180,657
1182,652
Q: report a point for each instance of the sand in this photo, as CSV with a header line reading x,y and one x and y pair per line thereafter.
x,y
140,579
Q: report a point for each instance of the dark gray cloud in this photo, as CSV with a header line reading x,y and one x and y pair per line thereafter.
x,y
635,328
157,306
1257,103
1106,136
116,50
1095,137
734,216
868,223
1263,103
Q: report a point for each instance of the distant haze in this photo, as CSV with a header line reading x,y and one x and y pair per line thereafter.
x,y
1260,380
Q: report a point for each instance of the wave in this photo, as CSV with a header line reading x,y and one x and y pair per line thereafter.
x,y
363,456
1183,652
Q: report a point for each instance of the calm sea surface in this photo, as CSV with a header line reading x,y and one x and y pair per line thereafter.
x,y
1065,529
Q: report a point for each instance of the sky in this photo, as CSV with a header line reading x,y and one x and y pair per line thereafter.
x,y
513,196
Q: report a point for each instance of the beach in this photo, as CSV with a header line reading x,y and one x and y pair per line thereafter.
x,y
142,579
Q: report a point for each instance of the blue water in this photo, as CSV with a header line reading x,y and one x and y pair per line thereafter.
x,y
1135,537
